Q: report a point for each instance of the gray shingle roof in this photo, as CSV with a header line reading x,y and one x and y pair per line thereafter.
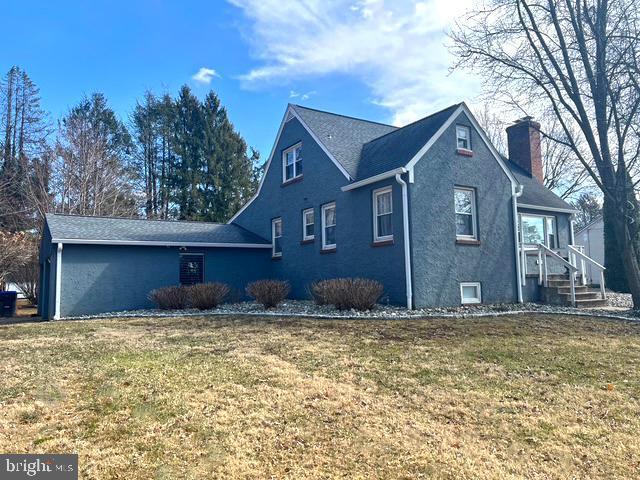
x,y
124,229
397,148
343,136
534,193
367,148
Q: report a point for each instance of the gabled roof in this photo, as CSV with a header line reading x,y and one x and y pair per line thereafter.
x,y
127,231
535,193
397,148
342,136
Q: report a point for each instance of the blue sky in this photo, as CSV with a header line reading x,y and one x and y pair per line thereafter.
x,y
385,61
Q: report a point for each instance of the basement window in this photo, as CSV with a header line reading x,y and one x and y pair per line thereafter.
x,y
470,293
191,268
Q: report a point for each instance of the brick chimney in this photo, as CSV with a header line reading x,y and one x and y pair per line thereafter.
x,y
523,138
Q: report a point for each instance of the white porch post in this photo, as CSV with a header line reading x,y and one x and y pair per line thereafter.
x,y
56,314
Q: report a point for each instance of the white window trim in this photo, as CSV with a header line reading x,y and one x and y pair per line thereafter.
x,y
468,129
327,246
544,223
306,237
376,193
471,301
474,213
273,236
284,162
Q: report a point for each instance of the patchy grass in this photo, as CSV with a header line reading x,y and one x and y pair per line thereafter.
x,y
229,397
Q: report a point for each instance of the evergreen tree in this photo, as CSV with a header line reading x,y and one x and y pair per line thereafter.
x,y
23,143
189,141
589,209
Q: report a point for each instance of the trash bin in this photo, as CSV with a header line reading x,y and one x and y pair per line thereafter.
x,y
8,302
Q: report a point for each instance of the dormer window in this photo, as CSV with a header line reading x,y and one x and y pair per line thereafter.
x,y
463,137
292,163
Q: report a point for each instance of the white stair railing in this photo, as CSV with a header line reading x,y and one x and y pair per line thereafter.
x,y
543,270
577,252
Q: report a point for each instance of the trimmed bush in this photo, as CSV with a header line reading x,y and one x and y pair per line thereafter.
x,y
347,293
204,296
269,292
170,298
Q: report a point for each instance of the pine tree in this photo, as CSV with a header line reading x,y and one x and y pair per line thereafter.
x,y
24,142
187,180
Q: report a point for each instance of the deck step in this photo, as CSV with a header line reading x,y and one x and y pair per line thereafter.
x,y
590,303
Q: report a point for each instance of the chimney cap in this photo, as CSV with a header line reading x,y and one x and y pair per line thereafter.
x,y
525,119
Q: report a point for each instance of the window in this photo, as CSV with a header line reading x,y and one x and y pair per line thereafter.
x,y
292,163
465,208
535,229
382,214
276,237
191,268
470,292
329,226
308,224
463,137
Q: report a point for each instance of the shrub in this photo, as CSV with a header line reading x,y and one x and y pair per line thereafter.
x,y
269,292
347,293
170,298
204,296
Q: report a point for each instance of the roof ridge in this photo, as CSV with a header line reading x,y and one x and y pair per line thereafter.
x,y
414,122
133,218
345,116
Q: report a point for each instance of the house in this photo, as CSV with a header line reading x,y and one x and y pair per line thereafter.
x,y
431,210
591,237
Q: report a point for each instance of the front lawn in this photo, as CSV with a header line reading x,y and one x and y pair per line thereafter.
x,y
229,397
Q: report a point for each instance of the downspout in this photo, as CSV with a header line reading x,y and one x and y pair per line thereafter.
x,y
407,251
56,314
517,192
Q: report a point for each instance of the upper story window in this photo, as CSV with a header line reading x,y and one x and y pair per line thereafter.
x,y
535,229
292,163
191,268
329,226
276,237
308,224
465,208
463,137
382,214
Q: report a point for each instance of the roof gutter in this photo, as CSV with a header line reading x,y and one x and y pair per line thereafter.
x,y
80,241
374,179
548,209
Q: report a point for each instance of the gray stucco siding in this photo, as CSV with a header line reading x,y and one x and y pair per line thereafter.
x,y
439,263
303,264
103,278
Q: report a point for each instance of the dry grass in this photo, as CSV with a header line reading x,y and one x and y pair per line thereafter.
x,y
511,397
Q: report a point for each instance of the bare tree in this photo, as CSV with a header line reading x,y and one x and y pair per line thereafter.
x,y
563,173
12,257
579,59
92,174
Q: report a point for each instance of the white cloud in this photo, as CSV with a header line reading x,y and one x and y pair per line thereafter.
x,y
205,75
396,48
301,96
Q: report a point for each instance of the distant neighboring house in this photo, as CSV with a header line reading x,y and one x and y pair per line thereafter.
x,y
591,238
431,210
12,287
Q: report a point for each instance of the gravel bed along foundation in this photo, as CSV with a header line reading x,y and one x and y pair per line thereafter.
x,y
619,306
